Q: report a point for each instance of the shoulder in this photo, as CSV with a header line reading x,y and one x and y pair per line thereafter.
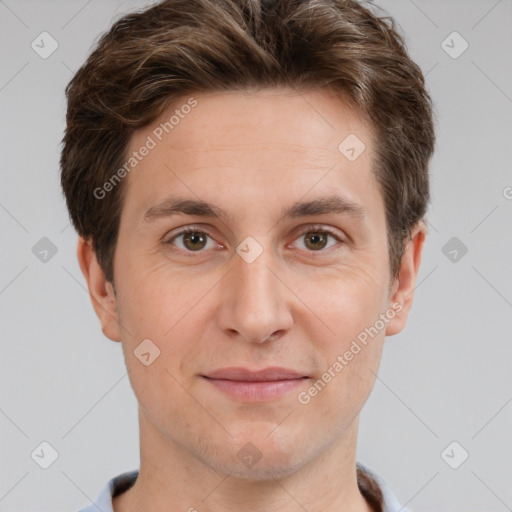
x,y
375,490
114,487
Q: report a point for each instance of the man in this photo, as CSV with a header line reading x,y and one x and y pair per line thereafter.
x,y
249,181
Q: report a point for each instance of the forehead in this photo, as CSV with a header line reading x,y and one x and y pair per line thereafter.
x,y
240,145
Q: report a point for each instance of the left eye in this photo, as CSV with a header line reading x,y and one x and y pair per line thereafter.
x,y
316,240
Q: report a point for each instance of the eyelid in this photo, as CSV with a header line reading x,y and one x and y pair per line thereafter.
x,y
197,228
321,227
312,228
168,241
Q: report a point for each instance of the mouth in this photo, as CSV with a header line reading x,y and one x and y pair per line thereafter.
x,y
255,385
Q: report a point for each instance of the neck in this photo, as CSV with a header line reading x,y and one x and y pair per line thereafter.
x,y
172,479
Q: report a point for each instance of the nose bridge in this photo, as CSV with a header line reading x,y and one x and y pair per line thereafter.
x,y
255,302
255,279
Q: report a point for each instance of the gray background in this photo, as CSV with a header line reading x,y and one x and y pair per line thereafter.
x,y
445,378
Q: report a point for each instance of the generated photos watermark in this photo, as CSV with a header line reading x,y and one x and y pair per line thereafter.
x,y
157,135
342,361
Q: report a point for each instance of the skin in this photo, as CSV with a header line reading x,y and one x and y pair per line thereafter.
x,y
298,305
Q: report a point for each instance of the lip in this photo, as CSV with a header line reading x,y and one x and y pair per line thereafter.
x,y
255,385
245,375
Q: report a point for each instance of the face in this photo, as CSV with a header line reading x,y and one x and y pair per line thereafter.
x,y
281,272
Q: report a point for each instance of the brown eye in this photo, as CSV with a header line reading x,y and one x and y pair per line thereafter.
x,y
193,240
316,240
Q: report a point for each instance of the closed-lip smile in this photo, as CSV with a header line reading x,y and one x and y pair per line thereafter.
x,y
255,385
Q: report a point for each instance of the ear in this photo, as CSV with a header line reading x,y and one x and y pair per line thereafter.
x,y
403,288
101,291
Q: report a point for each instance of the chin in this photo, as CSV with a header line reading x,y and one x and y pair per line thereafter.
x,y
259,458
264,470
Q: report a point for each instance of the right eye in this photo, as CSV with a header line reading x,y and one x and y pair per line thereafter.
x,y
192,240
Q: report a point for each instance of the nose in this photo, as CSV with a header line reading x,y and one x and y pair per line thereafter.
x,y
255,302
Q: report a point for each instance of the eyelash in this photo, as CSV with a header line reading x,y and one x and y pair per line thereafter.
x,y
309,229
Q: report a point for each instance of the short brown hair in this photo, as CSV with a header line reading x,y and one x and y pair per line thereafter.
x,y
150,59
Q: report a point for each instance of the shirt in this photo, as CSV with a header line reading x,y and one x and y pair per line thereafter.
x,y
366,478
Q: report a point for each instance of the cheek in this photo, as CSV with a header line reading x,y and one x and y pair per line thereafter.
x,y
345,303
348,331
155,300
344,389
350,360
168,309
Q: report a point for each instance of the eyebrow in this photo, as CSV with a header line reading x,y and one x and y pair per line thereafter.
x,y
323,205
